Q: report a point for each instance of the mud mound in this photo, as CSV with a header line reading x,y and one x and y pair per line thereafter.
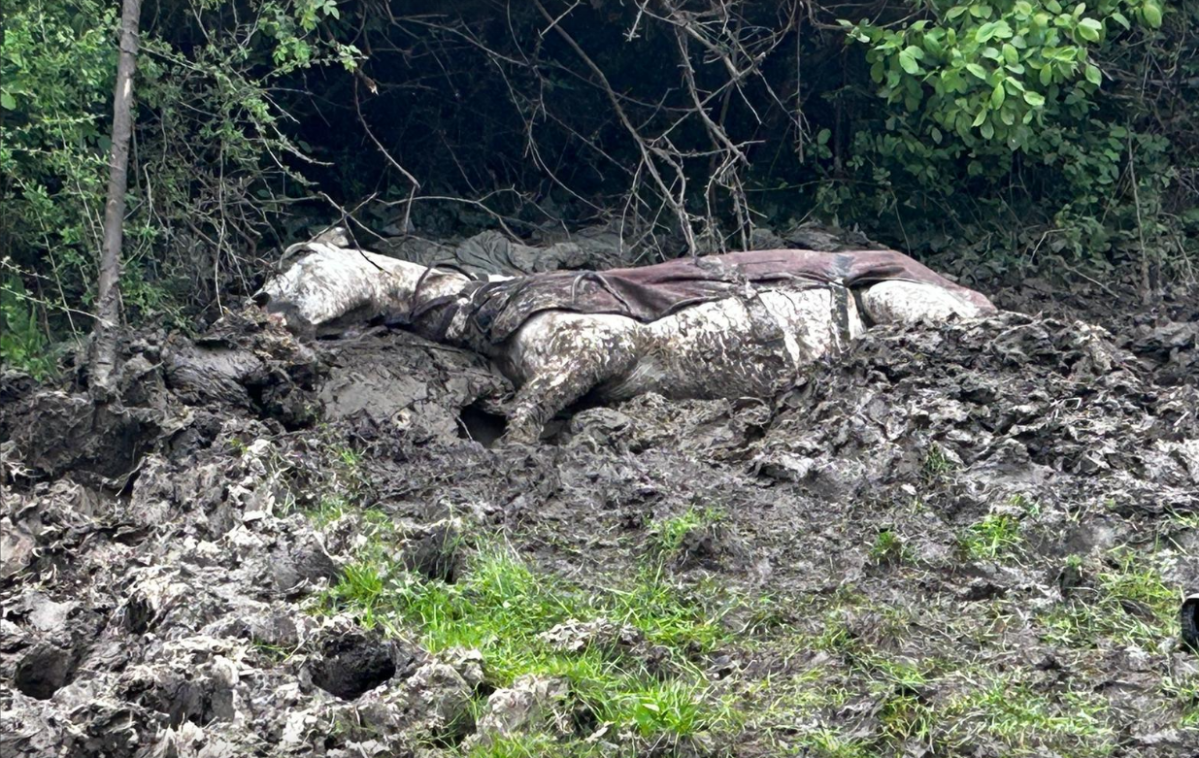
x,y
1163,334
1043,407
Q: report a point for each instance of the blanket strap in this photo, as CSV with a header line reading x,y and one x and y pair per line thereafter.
x,y
840,298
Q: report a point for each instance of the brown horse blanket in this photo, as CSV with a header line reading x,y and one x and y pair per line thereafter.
x,y
649,293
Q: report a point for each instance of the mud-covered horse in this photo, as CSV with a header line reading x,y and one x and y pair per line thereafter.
x,y
733,325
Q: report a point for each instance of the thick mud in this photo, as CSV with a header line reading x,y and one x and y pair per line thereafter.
x,y
1011,502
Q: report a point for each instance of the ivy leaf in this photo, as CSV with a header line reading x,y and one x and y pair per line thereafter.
x,y
1035,99
1094,75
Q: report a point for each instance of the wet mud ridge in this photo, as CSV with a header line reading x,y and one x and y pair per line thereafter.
x,y
970,539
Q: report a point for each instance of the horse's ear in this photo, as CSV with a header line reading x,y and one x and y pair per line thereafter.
x,y
334,236
292,254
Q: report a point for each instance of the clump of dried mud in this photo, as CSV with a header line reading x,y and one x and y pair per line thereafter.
x,y
946,498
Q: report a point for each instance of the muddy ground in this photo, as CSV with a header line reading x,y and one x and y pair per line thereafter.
x,y
971,539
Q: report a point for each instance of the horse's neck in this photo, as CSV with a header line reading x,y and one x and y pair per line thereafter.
x,y
417,285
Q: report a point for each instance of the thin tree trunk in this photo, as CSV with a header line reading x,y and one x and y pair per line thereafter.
x,y
108,301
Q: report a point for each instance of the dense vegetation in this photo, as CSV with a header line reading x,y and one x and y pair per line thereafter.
x,y
1004,132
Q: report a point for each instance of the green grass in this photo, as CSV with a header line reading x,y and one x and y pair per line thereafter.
x,y
992,538
327,510
937,465
349,457
534,745
888,547
666,536
839,650
501,605
1130,604
1185,692
1026,721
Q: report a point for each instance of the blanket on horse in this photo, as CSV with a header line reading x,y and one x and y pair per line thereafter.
x,y
649,293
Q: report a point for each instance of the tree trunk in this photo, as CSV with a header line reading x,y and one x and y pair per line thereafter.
x,y
108,301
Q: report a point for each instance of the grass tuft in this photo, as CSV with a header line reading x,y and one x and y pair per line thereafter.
x,y
500,606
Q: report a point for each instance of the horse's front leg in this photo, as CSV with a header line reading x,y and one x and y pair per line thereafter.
x,y
564,356
543,397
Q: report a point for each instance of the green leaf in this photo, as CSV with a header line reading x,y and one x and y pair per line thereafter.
x,y
1035,99
908,63
977,70
7,102
1010,53
997,96
937,136
1121,19
822,137
1090,29
1046,75
1094,75
956,11
1153,14
981,117
988,130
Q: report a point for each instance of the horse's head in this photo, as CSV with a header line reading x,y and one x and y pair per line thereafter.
x,y
327,288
